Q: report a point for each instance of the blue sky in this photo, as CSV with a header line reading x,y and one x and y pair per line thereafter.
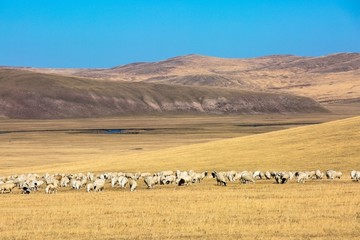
x,y
43,33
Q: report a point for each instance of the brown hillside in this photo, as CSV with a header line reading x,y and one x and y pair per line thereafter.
x,y
331,78
25,94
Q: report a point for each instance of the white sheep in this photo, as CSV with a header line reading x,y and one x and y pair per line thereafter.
x,y
50,189
89,187
76,184
332,174
64,182
150,181
133,185
114,181
319,174
99,185
355,175
123,181
301,176
7,187
220,178
247,178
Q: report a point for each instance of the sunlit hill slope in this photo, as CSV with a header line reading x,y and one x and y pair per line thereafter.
x,y
25,94
324,146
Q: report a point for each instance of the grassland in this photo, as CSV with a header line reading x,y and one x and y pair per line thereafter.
x,y
315,210
42,147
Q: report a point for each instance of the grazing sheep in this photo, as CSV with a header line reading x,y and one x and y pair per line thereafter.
x,y
99,185
25,190
114,181
267,175
133,185
76,184
239,174
198,177
355,175
7,187
169,179
89,187
247,178
64,182
311,174
258,175
165,173
185,180
123,181
150,181
319,174
90,176
332,174
282,177
301,176
50,189
230,175
220,178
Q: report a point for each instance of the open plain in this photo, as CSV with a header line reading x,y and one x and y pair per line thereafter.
x,y
227,114
318,209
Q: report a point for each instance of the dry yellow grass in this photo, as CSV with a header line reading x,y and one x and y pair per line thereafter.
x,y
31,149
324,146
315,210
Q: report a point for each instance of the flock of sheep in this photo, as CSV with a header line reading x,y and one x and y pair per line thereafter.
x,y
96,182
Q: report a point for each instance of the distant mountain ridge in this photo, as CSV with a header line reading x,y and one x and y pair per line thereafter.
x,y
25,95
330,78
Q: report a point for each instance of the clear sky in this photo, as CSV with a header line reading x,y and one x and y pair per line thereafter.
x,y
87,33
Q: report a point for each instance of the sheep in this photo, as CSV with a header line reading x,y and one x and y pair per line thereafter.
x,y
150,181
25,190
355,175
180,174
90,176
230,175
282,177
165,173
99,185
122,181
239,174
185,180
258,175
319,174
50,189
331,174
267,175
198,177
83,182
89,187
311,175
133,185
64,182
7,187
301,176
76,184
114,181
169,179
247,178
220,178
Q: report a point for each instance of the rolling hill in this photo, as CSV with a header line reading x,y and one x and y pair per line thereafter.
x,y
331,78
25,94
332,145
